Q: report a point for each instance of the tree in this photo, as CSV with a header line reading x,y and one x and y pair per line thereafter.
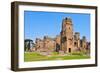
x,y
27,44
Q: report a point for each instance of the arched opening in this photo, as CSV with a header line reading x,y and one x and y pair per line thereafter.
x,y
69,50
75,44
57,47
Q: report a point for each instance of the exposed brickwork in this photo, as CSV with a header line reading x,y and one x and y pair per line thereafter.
x,y
67,41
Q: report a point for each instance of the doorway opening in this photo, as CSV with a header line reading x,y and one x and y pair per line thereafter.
x,y
69,50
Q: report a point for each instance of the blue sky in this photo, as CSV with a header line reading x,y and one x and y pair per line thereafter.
x,y
39,24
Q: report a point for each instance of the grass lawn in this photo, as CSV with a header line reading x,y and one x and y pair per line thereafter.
x,y
32,56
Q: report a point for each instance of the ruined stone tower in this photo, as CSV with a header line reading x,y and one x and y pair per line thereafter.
x,y
67,36
77,40
84,42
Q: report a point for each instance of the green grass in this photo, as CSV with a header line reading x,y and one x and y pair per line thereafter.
x,y
29,56
32,56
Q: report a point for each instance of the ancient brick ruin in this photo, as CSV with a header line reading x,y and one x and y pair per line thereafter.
x,y
67,41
